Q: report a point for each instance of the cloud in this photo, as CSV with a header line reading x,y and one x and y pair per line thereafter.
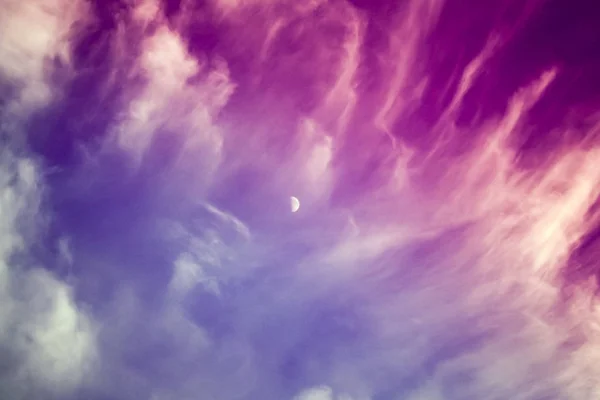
x,y
47,343
168,125
321,393
411,271
35,38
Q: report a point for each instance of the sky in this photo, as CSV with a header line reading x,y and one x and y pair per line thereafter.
x,y
445,157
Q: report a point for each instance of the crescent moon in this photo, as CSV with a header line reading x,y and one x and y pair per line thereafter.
x,y
294,204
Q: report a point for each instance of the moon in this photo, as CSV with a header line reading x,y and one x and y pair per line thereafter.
x,y
294,204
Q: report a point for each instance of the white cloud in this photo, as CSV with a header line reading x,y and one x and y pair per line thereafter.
x,y
48,343
318,393
33,35
54,339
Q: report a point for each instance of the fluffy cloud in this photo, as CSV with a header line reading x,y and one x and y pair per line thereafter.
x,y
47,342
35,39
